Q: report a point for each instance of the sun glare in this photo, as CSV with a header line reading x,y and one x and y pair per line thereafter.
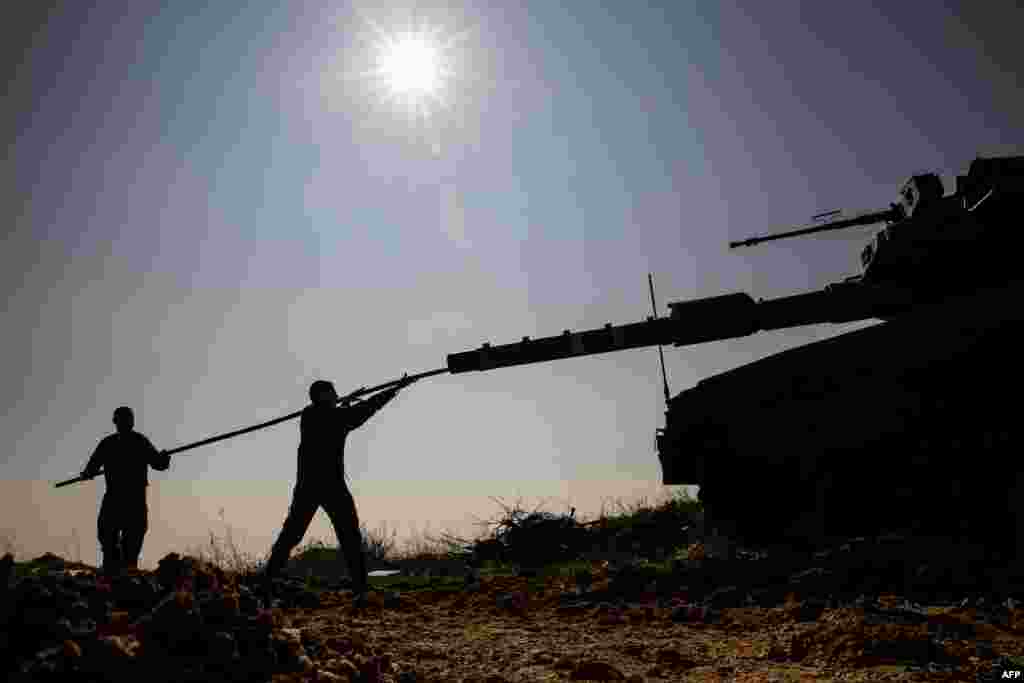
x,y
414,68
410,65
410,75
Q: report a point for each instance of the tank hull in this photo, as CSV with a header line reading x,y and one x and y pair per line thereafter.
x,y
908,424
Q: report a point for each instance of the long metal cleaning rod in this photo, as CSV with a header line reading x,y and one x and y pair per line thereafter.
x,y
290,416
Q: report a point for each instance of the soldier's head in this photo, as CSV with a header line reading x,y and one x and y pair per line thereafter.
x,y
124,419
322,393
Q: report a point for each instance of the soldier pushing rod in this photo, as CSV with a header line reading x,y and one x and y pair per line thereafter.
x,y
320,480
124,516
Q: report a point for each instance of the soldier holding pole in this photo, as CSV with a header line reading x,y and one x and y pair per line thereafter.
x,y
320,480
124,516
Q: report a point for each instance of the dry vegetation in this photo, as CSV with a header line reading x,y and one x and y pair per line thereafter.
x,y
501,540
509,531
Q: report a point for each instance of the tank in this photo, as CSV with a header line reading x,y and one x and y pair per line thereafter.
x,y
906,424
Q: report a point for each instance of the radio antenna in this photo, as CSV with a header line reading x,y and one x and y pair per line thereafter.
x,y
661,354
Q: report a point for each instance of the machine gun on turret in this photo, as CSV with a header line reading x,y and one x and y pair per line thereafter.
x,y
892,214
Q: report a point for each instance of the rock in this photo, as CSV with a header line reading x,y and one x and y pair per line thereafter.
x,y
78,610
917,651
392,600
39,618
176,626
373,668
594,670
216,624
83,629
810,609
726,597
612,619
564,663
288,647
112,656
136,593
170,568
347,669
584,579
983,649
812,581
305,664
248,605
60,629
670,658
222,647
307,600
222,610
511,601
629,581
688,613
71,650
528,572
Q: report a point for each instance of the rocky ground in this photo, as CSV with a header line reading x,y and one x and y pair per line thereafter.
x,y
869,609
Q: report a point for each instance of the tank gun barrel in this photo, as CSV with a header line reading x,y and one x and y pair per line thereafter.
x,y
651,332
713,318
893,213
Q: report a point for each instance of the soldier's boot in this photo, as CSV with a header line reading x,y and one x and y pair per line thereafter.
x,y
113,564
110,545
356,561
271,572
129,560
360,588
266,591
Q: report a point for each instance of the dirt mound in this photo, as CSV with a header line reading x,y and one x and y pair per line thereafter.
x,y
842,610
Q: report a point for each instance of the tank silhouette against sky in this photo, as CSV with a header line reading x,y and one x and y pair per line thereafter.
x,y
898,425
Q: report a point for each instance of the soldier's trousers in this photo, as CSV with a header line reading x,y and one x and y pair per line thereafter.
x,y
121,528
335,498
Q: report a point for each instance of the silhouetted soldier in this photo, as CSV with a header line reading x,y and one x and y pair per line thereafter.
x,y
320,481
124,517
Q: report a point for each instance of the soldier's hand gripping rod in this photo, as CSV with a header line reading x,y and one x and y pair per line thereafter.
x,y
348,398
75,480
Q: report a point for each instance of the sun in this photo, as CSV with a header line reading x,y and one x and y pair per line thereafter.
x,y
406,75
414,68
410,65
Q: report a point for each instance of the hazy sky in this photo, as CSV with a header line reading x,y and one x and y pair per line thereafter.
x,y
204,214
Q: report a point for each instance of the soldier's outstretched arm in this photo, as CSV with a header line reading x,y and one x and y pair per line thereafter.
x,y
92,468
357,415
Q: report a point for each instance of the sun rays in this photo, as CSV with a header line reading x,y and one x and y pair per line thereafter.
x,y
411,65
401,74
414,69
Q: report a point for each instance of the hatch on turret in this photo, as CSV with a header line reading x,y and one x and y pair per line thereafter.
x,y
920,192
